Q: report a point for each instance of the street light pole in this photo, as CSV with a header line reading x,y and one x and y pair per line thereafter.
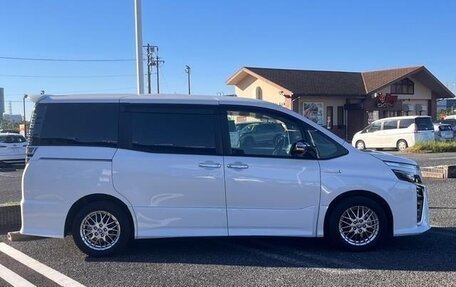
x,y
25,119
188,71
139,53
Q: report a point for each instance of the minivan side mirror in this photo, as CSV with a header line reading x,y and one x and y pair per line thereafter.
x,y
301,149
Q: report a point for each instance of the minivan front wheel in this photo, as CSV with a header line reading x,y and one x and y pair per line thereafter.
x,y
401,145
360,145
101,229
358,224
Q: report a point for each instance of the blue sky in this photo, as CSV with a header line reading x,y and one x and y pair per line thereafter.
x,y
215,38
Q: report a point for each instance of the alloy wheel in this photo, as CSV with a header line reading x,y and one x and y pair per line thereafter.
x,y
359,225
100,230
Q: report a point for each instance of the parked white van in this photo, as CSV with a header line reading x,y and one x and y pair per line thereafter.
x,y
395,132
108,169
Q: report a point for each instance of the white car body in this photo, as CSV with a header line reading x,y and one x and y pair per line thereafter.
x,y
181,195
401,134
12,148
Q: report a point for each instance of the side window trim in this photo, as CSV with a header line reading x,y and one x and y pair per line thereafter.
x,y
342,150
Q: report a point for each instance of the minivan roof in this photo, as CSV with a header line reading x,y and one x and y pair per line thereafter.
x,y
402,118
150,98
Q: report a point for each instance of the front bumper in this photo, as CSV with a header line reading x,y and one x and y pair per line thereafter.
x,y
422,214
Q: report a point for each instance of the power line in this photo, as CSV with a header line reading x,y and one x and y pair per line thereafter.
x,y
64,60
67,76
76,92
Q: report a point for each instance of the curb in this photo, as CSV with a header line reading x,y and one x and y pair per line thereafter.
x,y
10,218
441,171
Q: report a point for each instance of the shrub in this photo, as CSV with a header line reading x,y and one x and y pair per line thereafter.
x,y
433,147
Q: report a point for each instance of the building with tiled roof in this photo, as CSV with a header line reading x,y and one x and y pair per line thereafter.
x,y
344,102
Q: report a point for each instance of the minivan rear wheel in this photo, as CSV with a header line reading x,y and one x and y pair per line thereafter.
x,y
358,224
101,229
360,145
401,145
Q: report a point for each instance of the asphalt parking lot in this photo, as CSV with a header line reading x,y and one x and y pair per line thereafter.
x,y
424,260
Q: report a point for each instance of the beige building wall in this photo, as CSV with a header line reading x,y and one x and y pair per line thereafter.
x,y
247,88
422,95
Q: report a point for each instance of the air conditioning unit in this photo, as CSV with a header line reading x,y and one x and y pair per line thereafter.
x,y
407,108
419,108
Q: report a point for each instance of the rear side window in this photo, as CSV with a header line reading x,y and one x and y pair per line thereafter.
x,y
424,124
405,123
71,124
172,131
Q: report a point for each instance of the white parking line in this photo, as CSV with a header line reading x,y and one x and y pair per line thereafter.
x,y
39,267
13,279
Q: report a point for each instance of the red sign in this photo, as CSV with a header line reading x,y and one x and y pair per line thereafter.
x,y
385,100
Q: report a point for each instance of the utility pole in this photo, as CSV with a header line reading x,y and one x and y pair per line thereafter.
x,y
25,119
153,61
150,59
157,62
139,54
188,70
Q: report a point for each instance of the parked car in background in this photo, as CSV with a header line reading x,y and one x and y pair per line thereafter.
x,y
395,132
12,148
240,126
261,133
452,123
443,132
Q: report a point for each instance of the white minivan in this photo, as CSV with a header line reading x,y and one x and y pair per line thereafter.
x,y
108,169
395,132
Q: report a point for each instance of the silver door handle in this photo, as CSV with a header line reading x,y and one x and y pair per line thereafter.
x,y
331,171
210,165
238,165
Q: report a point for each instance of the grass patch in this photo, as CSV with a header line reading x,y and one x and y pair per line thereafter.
x,y
433,147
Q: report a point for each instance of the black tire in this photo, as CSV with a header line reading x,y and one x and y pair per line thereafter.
x,y
361,145
400,144
115,219
369,237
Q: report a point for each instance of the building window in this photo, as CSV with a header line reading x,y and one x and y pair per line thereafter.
x,y
340,117
259,93
404,87
329,117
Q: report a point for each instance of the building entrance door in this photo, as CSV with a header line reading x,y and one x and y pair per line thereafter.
x,y
355,122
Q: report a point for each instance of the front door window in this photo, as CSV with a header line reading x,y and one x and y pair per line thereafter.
x,y
260,134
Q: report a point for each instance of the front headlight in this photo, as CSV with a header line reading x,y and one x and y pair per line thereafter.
x,y
405,171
